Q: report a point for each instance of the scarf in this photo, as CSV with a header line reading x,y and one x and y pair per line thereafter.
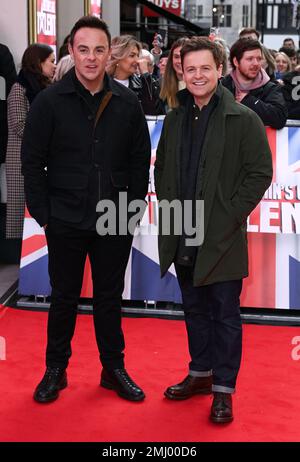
x,y
260,80
29,81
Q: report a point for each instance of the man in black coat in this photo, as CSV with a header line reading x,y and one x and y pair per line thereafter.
x,y
91,135
9,75
251,85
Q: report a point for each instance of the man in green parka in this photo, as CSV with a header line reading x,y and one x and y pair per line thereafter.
x,y
213,151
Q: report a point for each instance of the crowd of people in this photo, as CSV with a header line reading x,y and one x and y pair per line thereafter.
x,y
265,80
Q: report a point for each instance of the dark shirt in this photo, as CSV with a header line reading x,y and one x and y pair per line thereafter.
x,y
89,222
192,165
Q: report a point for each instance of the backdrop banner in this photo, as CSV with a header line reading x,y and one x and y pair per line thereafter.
x,y
273,238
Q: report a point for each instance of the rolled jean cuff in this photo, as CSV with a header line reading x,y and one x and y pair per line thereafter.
x,y
221,389
200,373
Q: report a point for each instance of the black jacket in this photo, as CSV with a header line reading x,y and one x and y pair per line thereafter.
x,y
267,101
59,134
8,72
291,93
147,89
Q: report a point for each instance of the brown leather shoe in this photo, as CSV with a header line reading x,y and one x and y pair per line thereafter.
x,y
221,409
189,387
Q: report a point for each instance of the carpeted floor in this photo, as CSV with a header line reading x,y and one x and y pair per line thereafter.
x,y
266,405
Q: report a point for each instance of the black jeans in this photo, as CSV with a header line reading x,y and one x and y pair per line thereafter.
x,y
108,256
214,328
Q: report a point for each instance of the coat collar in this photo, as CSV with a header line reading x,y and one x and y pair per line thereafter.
x,y
66,85
230,106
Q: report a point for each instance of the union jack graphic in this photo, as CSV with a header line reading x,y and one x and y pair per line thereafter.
x,y
274,258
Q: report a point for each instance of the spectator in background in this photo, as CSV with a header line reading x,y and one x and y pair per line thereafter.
x,y
289,43
249,33
148,59
291,54
283,65
162,63
128,68
64,49
173,76
225,52
65,64
298,57
157,47
291,93
251,85
37,71
269,64
9,75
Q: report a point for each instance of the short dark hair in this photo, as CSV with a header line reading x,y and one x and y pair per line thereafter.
x,y
202,43
290,52
165,54
249,30
241,46
289,39
90,21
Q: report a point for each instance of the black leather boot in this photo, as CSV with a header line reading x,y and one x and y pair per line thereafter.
x,y
119,381
54,380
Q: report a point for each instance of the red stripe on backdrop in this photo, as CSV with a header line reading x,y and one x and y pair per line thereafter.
x,y
32,244
27,214
87,284
259,287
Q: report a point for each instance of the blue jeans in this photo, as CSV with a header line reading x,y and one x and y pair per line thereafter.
x,y
214,328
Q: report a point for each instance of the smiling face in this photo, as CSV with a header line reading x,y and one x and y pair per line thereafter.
x,y
281,63
201,75
90,53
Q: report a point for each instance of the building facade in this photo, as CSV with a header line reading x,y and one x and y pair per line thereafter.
x,y
228,16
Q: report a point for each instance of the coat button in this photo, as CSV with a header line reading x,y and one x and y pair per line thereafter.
x,y
90,117
96,140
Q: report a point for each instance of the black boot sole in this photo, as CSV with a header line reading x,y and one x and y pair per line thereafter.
x,y
221,420
110,386
52,398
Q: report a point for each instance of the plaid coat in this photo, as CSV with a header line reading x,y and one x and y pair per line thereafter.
x,y
17,110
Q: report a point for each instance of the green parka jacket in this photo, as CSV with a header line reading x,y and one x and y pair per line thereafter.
x,y
236,174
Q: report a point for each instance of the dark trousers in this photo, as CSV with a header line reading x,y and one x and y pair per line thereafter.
x,y
214,328
67,255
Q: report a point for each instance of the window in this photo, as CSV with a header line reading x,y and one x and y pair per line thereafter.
x,y
200,12
222,15
276,15
245,15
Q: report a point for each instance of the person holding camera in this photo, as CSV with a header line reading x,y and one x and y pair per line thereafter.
x,y
129,67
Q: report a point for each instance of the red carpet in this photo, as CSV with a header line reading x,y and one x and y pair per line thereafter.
x,y
267,404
